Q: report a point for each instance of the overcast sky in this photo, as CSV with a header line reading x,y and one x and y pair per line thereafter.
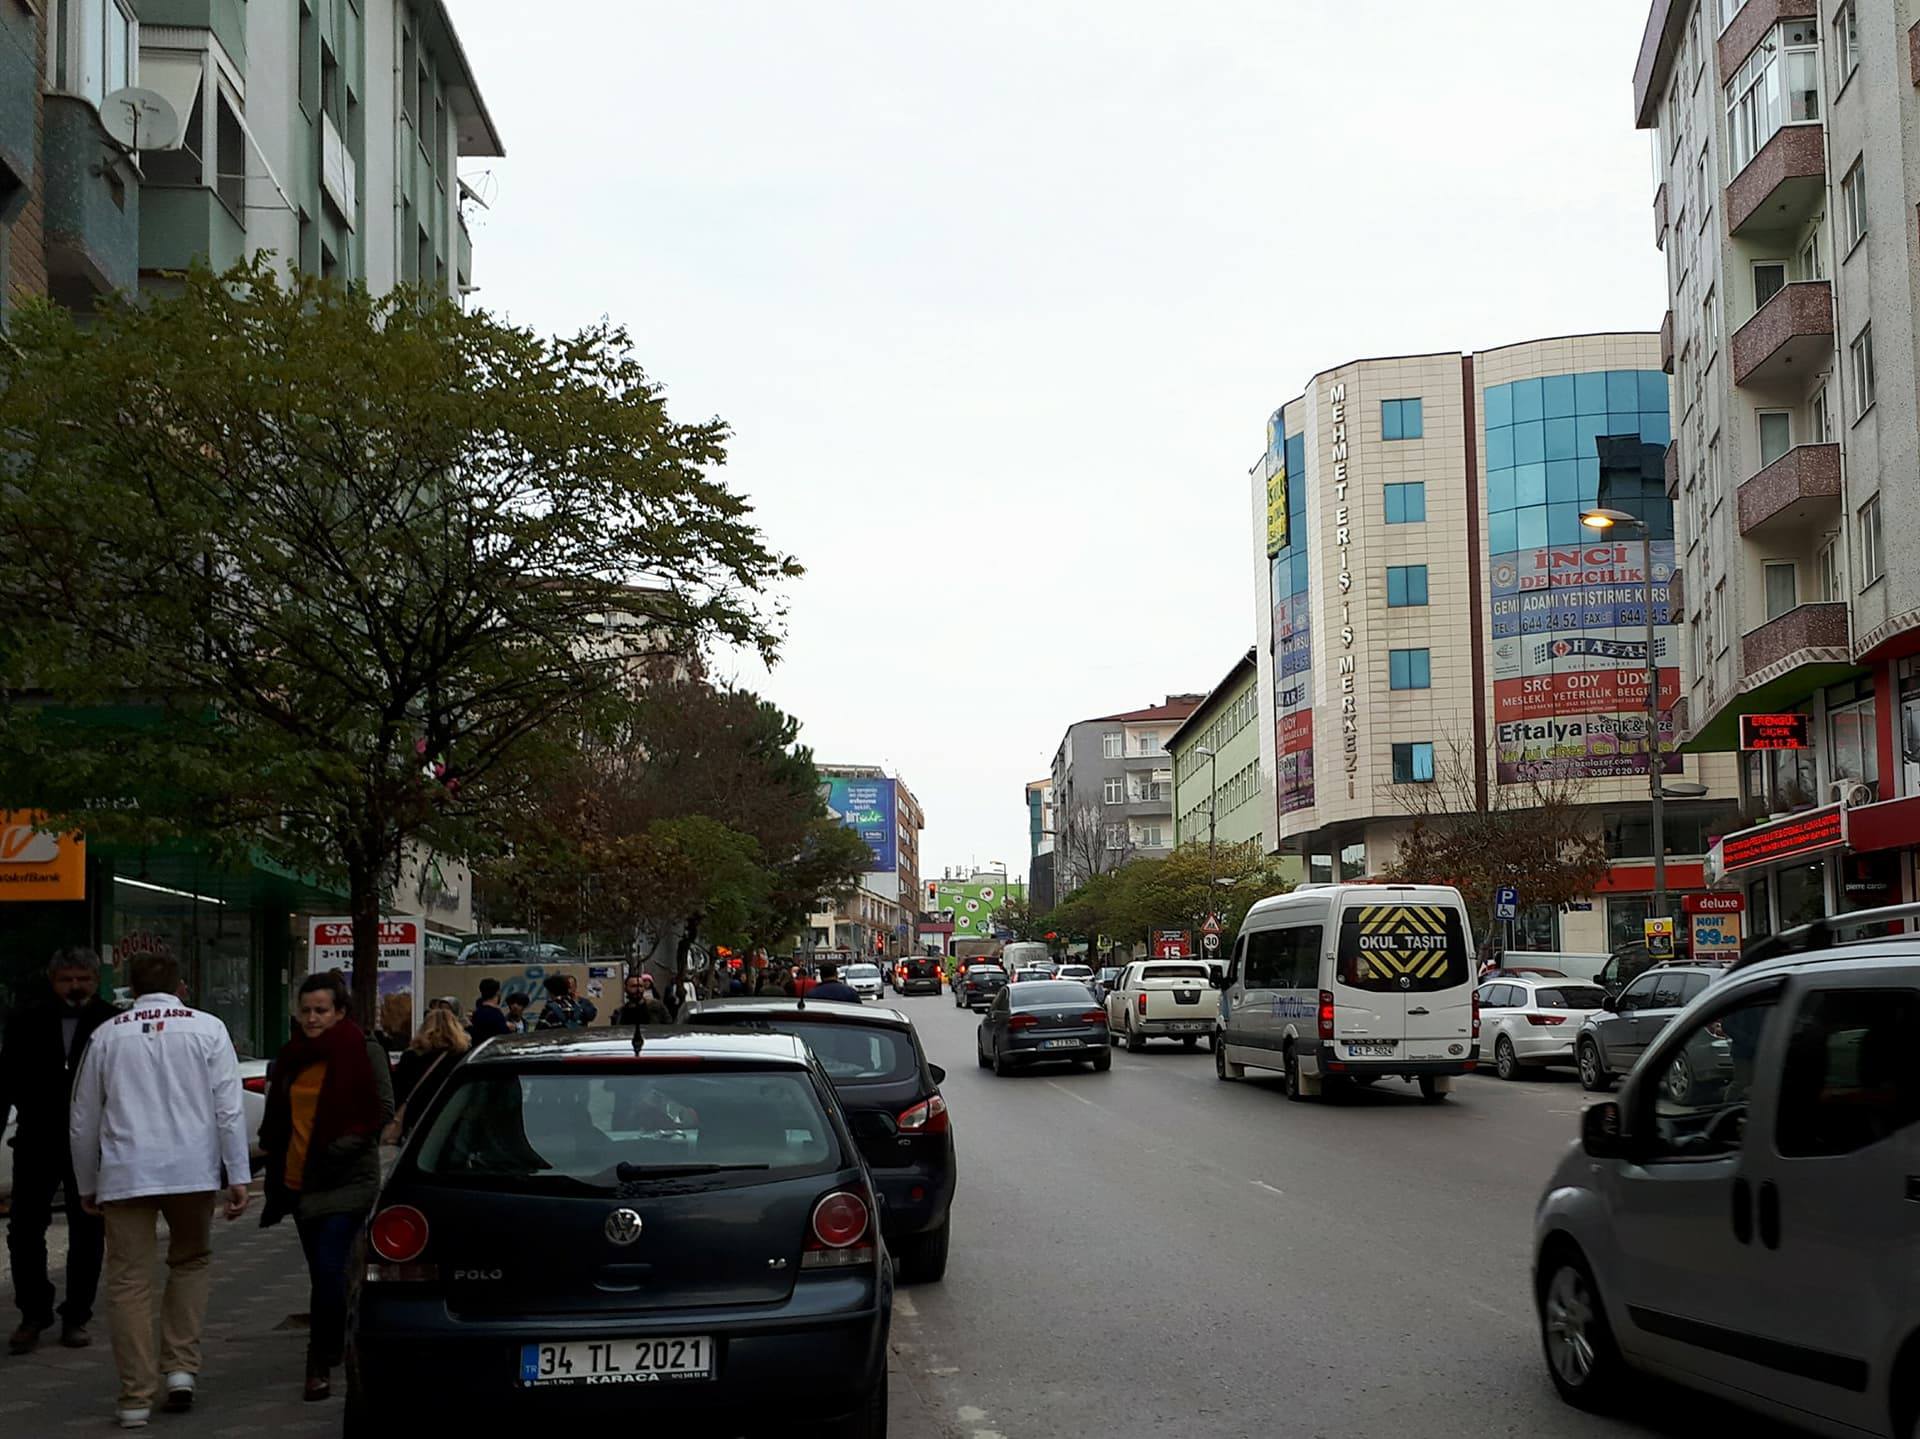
x,y
997,298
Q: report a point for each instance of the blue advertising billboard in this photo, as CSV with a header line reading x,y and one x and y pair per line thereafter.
x,y
868,807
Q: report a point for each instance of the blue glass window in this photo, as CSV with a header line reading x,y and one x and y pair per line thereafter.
x,y
1560,439
1589,476
1656,427
1563,482
1406,586
1499,406
1413,763
1563,525
1301,575
1530,485
1533,527
1623,390
1556,395
1529,442
1499,449
1410,669
1526,400
1406,504
1653,391
1401,420
1503,532
1500,491
1590,393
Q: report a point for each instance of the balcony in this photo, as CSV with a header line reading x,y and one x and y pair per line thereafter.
x,y
1783,186
1660,217
1666,342
1752,25
1144,808
1789,337
1673,470
1801,486
1804,635
92,203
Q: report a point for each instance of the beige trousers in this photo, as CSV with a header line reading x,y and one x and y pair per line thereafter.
x,y
131,1247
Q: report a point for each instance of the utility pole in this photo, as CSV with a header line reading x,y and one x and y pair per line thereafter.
x,y
1213,795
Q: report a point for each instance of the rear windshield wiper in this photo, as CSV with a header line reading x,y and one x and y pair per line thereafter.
x,y
627,1172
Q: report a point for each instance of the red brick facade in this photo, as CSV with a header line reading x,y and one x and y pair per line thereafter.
x,y
26,259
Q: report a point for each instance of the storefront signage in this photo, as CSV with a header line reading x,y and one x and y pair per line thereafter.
x,y
1714,903
1714,933
37,865
1342,542
402,966
1659,936
1788,731
1809,833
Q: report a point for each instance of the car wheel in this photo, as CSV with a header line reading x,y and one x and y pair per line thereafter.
x,y
1582,1358
1679,1079
1291,1070
1593,1074
1135,1042
923,1258
1103,1061
1001,1066
870,1422
980,1054
1430,1090
1506,1063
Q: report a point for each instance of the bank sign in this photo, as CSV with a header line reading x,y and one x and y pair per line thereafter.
x,y
870,808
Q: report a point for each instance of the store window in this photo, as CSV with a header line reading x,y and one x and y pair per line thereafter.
x,y
1853,746
1626,920
210,937
1537,928
1870,881
1759,916
1908,736
1802,891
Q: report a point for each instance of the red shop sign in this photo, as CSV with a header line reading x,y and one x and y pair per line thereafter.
x,y
1809,833
1713,903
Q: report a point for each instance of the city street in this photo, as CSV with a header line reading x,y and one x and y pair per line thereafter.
x,y
1150,1251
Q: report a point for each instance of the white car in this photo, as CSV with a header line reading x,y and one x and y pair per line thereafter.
x,y
865,980
1083,973
1531,1020
1031,976
253,1102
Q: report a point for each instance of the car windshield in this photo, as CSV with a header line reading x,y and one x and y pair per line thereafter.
x,y
1049,992
1569,996
592,1131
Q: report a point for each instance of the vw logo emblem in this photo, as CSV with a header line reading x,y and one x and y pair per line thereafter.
x,y
1456,1049
1406,981
623,1226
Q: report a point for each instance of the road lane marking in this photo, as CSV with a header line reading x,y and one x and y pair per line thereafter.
x,y
1071,1095
1262,1184
903,1304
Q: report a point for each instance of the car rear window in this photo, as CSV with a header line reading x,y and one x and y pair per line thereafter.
x,y
1570,996
862,971
1174,971
594,1130
856,1053
1050,991
1403,946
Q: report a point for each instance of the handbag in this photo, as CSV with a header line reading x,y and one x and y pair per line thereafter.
x,y
396,1129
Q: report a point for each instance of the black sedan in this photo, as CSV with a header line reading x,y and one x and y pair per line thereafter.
x,y
919,976
891,1096
576,1227
977,987
1046,1020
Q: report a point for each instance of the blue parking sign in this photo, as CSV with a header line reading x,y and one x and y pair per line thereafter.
x,y
1506,902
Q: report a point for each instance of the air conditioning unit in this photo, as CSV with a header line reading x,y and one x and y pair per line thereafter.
x,y
1851,792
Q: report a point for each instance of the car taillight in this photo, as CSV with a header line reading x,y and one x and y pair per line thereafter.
x,y
1476,1014
1544,1019
841,1221
928,1117
254,1084
1094,1016
1326,1014
1022,1021
398,1234
1141,1001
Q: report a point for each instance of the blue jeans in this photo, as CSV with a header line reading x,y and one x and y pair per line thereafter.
x,y
328,1241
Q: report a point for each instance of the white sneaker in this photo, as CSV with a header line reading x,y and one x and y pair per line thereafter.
x,y
179,1392
134,1418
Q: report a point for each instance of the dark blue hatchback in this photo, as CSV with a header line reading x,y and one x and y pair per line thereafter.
x,y
686,1234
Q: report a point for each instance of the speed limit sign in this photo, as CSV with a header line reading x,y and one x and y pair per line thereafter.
x,y
1210,942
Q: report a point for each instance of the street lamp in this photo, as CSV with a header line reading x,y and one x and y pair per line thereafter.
x,y
1604,519
1213,793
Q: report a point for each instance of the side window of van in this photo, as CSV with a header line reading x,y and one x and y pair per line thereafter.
x,y
1233,964
1303,957
1266,958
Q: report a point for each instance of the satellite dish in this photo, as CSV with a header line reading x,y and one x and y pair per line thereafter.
x,y
140,119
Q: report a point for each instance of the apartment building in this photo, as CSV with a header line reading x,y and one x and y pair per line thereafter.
x,y
1786,150
1113,791
1218,788
1434,619
1040,844
879,918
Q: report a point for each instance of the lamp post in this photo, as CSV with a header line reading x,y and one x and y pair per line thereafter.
x,y
1213,794
1608,519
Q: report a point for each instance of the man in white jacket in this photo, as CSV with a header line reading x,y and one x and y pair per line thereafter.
x,y
156,1130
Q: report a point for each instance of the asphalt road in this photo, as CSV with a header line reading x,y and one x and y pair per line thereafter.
x,y
1153,1252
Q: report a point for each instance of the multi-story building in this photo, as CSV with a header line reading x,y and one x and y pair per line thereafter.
x,y
1433,613
1040,844
879,918
1786,141
1217,785
1113,791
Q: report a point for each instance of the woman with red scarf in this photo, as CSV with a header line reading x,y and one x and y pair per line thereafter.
x,y
330,1097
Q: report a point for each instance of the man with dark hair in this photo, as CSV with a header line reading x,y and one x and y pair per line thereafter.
x,y
489,1019
157,1131
37,1061
565,1008
832,986
517,1011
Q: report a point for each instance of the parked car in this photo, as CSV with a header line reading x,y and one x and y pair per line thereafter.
x,y
976,988
707,1230
253,1103
1170,998
1612,1041
864,980
919,976
1534,1019
891,1096
1104,981
1740,1220
1033,1021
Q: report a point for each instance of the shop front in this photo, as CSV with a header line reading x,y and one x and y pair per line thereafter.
x,y
1826,861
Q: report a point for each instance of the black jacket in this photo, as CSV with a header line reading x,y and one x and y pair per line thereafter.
x,y
36,1073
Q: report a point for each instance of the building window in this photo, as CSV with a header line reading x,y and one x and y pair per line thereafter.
x,y
1116,836
1860,371
1822,416
1410,669
1150,836
1113,744
1846,43
1872,556
1113,791
1149,742
1710,323
95,47
1769,279
1401,420
1413,763
1717,618
1776,435
1830,577
1853,204
1782,591
1778,85
1406,586
1853,751
1406,504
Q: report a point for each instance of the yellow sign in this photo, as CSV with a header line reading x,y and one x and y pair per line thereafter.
x,y
1277,509
1403,941
37,865
1659,933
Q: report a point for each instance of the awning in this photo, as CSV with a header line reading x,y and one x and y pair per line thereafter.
x,y
1891,824
176,75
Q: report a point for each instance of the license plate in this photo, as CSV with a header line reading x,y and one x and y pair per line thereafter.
x,y
617,1361
1371,1051
1059,1044
1180,1027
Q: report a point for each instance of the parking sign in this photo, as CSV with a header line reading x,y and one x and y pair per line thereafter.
x,y
1506,902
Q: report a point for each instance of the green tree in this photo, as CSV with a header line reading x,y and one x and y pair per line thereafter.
x,y
1016,916
325,573
1180,891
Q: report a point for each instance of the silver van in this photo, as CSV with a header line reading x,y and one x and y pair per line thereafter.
x,y
1348,983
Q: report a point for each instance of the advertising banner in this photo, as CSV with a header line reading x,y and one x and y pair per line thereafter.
x,y
1276,504
402,967
1172,944
972,903
38,865
870,808
1293,698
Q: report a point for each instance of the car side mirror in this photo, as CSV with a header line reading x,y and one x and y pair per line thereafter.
x,y
939,1074
1600,1134
1609,1003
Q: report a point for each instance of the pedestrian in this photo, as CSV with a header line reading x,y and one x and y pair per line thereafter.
x,y
565,1009
736,985
489,1019
832,987
517,1012
424,1067
157,1130
331,1096
41,1051
641,1005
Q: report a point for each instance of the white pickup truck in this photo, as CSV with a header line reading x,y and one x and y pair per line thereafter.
x,y
1164,998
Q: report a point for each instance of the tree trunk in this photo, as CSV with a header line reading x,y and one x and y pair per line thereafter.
x,y
363,892
684,951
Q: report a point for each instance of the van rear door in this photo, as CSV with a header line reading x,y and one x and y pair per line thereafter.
x,y
1403,980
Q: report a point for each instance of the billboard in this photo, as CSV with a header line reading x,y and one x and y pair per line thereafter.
x,y
1293,694
972,903
870,808
402,966
1276,505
